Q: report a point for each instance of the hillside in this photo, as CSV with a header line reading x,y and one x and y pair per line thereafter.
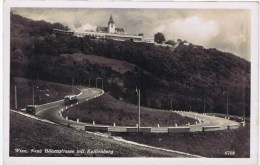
x,y
187,75
69,139
116,65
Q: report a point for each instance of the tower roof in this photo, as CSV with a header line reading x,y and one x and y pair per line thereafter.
x,y
111,20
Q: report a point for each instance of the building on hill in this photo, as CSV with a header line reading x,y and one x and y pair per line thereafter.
x,y
111,28
59,31
110,32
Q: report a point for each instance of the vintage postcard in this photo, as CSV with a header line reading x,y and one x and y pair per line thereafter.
x,y
131,82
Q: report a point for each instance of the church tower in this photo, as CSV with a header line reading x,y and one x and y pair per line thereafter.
x,y
111,25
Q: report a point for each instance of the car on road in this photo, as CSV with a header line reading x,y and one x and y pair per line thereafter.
x,y
70,99
31,109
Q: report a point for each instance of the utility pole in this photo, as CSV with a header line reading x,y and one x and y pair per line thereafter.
x,y
244,96
138,93
15,96
227,104
102,83
72,83
190,104
101,80
33,94
204,105
171,104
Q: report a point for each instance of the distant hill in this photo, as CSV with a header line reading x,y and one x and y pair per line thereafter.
x,y
187,75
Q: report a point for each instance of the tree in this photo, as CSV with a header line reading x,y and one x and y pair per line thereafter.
x,y
179,40
159,38
170,42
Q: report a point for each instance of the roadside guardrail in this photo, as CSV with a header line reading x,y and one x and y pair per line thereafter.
x,y
159,130
178,129
146,129
131,129
204,128
117,129
94,128
232,126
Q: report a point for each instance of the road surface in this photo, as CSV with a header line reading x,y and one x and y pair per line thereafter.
x,y
52,112
216,123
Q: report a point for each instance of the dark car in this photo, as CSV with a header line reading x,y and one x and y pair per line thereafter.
x,y
71,99
31,109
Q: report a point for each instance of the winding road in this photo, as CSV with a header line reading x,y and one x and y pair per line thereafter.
x,y
212,123
52,112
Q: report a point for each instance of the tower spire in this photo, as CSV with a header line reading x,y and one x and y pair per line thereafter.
x,y
111,20
111,25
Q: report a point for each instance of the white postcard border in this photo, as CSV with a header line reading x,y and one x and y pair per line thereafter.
x,y
254,132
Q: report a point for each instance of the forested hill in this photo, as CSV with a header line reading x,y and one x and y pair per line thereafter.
x,y
187,75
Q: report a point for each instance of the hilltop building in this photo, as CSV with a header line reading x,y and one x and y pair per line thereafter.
x,y
110,32
111,28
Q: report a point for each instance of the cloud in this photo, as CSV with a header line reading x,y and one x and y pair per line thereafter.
x,y
193,29
85,27
161,29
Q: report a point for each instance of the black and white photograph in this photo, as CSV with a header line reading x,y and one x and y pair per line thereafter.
x,y
109,81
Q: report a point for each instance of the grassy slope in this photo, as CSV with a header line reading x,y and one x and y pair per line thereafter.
x,y
116,65
209,144
107,110
26,133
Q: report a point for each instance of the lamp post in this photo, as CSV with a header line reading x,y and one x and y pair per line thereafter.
x,y
190,104
15,96
101,80
138,94
227,104
171,104
72,83
33,94
204,104
244,97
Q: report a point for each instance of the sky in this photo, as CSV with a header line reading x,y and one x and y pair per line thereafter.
x,y
224,29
